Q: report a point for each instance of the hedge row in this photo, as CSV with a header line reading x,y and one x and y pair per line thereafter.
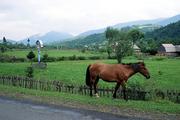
x,y
6,58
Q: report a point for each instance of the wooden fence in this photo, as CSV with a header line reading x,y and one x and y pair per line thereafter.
x,y
134,94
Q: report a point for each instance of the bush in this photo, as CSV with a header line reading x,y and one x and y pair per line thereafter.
x,y
94,57
31,55
29,72
61,58
45,57
51,59
81,58
6,58
135,84
72,57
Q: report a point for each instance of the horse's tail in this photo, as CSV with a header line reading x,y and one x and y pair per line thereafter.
x,y
88,76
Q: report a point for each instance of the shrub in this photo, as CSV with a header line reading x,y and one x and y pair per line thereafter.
x,y
6,58
81,58
29,72
45,57
94,57
72,57
61,58
31,55
51,59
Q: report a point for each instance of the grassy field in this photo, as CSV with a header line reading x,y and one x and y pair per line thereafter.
x,y
164,73
54,53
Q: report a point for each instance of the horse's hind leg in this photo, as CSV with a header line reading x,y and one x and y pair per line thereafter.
x,y
95,87
116,88
91,90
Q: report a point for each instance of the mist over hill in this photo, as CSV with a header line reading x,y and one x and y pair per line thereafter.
x,y
47,38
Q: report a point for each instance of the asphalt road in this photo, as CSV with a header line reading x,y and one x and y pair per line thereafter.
x,y
23,110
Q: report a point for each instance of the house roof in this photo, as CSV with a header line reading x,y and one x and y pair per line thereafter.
x,y
169,47
136,47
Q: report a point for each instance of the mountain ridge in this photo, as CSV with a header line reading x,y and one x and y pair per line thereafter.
x,y
158,21
48,37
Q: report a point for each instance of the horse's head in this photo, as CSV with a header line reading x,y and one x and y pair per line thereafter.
x,y
141,68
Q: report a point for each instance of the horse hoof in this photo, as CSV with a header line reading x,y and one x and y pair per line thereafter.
x,y
97,96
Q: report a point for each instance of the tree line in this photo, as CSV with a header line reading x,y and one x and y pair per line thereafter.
x,y
6,45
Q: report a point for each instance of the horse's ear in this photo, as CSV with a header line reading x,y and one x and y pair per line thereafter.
x,y
141,62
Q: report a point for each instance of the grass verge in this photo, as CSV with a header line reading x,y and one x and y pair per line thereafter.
x,y
103,104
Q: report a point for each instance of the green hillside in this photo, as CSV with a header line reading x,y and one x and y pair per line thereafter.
x,y
167,34
89,40
100,38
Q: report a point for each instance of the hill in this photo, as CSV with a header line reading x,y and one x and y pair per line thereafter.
x,y
158,22
169,33
169,20
89,40
100,37
47,38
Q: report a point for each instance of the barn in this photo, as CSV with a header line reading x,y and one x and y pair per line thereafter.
x,y
169,50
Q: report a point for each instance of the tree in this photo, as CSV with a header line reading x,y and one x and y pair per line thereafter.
x,y
120,42
111,33
135,35
123,46
4,41
148,45
3,49
30,56
28,45
4,45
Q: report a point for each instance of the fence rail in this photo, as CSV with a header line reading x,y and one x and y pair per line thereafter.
x,y
134,94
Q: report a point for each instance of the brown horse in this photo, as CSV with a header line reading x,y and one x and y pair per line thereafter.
x,y
118,73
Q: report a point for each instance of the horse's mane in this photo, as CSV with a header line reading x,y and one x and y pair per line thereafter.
x,y
135,66
133,63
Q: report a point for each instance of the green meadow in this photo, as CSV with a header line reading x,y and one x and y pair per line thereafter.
x,y
53,53
164,73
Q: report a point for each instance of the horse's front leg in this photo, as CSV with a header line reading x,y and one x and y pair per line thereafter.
x,y
124,91
116,88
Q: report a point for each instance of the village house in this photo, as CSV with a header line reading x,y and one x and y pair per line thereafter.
x,y
169,50
136,49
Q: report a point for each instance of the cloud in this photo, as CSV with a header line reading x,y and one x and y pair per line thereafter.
x,y
20,19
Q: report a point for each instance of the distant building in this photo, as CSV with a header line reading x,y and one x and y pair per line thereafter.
x,y
136,49
169,50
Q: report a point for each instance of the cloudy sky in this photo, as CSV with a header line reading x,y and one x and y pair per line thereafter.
x,y
22,18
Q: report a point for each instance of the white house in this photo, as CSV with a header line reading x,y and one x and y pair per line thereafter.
x,y
169,49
